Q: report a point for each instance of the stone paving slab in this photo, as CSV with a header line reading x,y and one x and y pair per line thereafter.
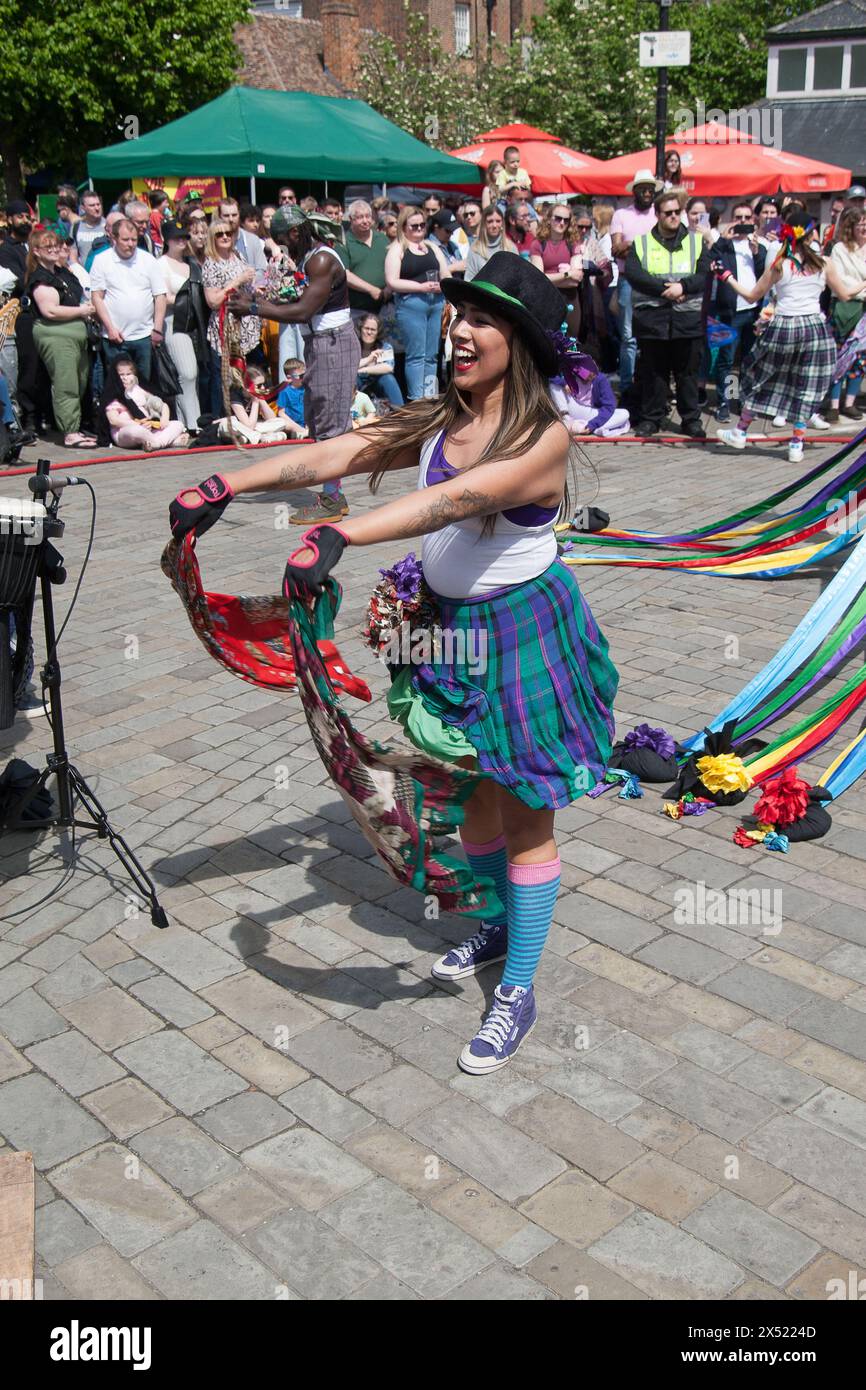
x,y
264,1102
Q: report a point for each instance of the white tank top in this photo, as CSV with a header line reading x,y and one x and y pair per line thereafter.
x,y
334,318
798,294
460,562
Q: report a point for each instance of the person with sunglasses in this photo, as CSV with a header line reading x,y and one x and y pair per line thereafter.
x,y
414,268
667,269
469,218
224,273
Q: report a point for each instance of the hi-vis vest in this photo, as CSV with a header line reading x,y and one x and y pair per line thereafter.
x,y
658,259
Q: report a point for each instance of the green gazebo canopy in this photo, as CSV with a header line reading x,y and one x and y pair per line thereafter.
x,y
251,133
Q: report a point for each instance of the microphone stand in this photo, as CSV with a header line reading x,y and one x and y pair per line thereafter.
x,y
72,787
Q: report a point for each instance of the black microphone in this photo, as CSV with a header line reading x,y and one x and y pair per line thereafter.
x,y
42,483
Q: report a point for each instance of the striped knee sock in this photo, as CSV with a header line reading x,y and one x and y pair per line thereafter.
x,y
746,418
490,861
532,890
799,430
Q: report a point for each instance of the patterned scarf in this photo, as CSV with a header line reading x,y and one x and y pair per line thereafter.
x,y
399,799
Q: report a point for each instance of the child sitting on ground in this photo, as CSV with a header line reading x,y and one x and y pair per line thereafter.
x,y
136,418
252,417
585,399
290,400
363,410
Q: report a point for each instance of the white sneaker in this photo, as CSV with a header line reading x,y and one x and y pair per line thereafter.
x,y
780,422
817,422
735,439
795,451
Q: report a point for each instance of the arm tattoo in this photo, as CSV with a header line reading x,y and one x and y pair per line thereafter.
x,y
449,509
296,475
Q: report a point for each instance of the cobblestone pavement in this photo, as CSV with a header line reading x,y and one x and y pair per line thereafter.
x,y
263,1101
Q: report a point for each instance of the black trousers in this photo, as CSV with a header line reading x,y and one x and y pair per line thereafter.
x,y
34,383
659,357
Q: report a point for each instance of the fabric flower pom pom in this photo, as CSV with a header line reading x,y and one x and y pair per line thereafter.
x,y
644,736
784,799
724,773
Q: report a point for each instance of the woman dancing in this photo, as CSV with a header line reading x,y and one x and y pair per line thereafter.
x,y
790,368
534,715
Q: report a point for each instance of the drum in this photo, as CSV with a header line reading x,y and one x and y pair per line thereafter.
x,y
25,526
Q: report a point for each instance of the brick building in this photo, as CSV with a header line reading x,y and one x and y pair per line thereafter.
x,y
313,45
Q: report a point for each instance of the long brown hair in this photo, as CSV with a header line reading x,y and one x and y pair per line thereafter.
x,y
572,236
848,223
483,242
43,236
528,412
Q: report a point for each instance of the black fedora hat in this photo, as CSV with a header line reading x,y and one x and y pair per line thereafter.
x,y
513,289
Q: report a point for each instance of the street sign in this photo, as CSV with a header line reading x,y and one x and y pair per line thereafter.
x,y
671,48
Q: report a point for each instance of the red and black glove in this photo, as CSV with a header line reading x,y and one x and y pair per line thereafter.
x,y
208,502
327,543
720,270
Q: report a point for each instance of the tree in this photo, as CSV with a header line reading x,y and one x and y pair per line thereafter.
x,y
581,78
439,99
74,77
729,50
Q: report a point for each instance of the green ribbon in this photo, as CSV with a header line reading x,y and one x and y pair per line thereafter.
x,y
500,294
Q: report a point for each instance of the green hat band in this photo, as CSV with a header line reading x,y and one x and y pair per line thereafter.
x,y
494,289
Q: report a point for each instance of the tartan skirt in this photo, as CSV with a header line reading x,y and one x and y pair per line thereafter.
x,y
528,683
790,368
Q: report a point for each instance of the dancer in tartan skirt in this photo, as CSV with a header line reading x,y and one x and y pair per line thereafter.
x,y
524,690
790,368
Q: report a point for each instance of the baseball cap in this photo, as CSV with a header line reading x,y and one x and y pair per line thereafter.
x,y
17,207
444,218
856,191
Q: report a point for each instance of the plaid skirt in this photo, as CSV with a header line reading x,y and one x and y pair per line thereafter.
x,y
529,683
790,369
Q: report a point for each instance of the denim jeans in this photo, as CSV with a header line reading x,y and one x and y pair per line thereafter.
x,y
139,351
743,323
419,318
852,387
627,342
384,385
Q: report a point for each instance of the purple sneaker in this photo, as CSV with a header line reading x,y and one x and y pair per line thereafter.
x,y
486,948
511,1019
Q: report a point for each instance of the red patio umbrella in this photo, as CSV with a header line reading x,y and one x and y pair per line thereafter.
x,y
518,131
550,164
737,169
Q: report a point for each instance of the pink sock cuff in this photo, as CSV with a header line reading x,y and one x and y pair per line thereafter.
x,y
534,873
490,848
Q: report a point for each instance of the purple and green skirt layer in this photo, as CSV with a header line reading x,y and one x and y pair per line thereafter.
x,y
525,682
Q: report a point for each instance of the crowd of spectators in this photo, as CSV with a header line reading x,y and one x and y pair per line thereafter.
x,y
145,284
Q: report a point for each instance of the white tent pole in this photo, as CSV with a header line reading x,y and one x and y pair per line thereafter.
x,y
326,188
252,188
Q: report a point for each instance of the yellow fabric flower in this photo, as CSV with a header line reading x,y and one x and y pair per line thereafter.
x,y
725,772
